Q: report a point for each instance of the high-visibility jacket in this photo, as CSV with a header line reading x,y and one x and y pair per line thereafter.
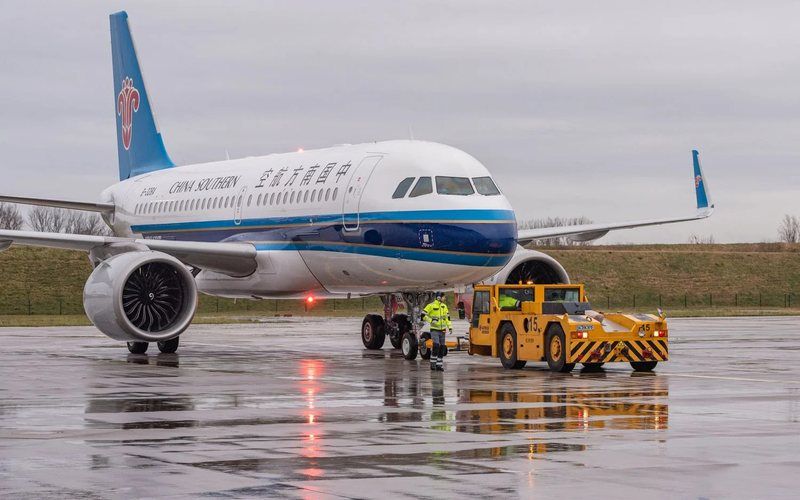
x,y
507,302
437,314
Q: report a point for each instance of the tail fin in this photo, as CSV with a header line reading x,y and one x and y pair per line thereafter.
x,y
139,142
700,185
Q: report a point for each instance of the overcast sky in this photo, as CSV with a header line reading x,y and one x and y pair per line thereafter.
x,y
577,108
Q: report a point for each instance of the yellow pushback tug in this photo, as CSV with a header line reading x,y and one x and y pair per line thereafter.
x,y
555,323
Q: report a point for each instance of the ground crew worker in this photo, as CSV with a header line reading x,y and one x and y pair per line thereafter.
x,y
437,314
508,303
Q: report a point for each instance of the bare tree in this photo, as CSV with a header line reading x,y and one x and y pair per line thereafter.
x,y
85,223
696,239
47,219
556,222
10,217
789,230
59,220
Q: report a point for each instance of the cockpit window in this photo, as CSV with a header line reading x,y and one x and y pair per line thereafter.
x,y
423,186
485,186
454,185
402,188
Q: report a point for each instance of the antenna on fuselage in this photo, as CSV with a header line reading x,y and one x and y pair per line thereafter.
x,y
410,133
227,154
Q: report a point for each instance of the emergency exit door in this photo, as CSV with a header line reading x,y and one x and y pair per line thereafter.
x,y
351,201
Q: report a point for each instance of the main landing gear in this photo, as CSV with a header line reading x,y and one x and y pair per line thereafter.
x,y
166,346
403,330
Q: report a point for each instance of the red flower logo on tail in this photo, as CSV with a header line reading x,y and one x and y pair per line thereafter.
x,y
697,181
127,105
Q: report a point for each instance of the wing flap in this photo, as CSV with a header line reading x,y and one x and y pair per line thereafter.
x,y
72,205
231,258
587,232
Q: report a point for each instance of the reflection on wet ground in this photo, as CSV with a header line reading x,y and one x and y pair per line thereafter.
x,y
299,409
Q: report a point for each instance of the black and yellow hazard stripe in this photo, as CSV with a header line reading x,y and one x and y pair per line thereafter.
x,y
584,351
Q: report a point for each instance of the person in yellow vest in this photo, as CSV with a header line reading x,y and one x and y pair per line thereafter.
x,y
438,315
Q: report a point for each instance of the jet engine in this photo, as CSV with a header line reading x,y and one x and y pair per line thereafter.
x,y
526,266
140,296
530,266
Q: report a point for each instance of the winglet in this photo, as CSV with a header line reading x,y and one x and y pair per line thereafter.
x,y
701,186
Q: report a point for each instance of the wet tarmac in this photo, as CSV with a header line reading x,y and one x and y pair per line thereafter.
x,y
297,408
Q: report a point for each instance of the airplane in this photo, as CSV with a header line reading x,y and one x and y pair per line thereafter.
x,y
399,219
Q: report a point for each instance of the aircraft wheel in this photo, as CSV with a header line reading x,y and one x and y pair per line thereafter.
x,y
424,352
556,350
372,332
403,325
408,346
508,348
137,347
169,346
643,366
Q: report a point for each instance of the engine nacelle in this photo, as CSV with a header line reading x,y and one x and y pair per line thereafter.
x,y
140,296
530,266
525,266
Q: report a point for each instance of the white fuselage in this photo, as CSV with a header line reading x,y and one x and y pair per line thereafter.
x,y
325,221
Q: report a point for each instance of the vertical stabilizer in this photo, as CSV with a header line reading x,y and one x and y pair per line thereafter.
x,y
139,142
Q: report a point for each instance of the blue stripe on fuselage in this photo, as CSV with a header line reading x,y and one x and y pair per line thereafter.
x,y
476,215
485,238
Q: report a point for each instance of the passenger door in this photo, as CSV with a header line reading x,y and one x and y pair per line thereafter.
x,y
237,204
351,201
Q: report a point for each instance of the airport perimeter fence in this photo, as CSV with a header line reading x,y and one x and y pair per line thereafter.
x,y
36,303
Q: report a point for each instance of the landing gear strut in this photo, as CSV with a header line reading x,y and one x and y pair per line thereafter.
x,y
403,330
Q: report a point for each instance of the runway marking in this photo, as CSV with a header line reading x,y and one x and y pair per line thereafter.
x,y
742,379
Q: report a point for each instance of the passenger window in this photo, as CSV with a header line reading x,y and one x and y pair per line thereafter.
x,y
335,192
249,200
424,186
305,197
327,193
454,185
402,188
285,197
313,195
485,186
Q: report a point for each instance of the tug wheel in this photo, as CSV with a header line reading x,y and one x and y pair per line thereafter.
x,y
508,348
556,346
408,346
643,366
372,332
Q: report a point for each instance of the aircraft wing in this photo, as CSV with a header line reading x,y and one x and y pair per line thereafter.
x,y
587,232
231,258
73,205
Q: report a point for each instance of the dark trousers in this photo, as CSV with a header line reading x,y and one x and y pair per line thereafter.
x,y
437,336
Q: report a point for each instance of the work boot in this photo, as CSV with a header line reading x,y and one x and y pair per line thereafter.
x,y
433,366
